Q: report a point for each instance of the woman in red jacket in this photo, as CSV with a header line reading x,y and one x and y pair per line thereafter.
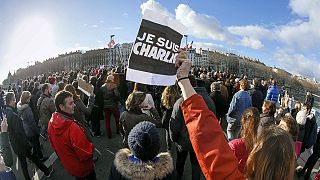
x,y
249,133
215,157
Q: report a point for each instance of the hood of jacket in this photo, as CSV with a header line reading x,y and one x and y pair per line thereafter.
x,y
60,122
148,171
21,107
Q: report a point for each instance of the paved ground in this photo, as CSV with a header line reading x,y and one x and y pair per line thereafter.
x,y
108,147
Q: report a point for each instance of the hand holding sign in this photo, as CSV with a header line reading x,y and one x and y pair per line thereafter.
x,y
155,49
183,64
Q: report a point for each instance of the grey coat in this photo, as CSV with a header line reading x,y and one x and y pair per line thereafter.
x,y
28,121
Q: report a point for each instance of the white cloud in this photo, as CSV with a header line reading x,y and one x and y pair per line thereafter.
x,y
85,25
94,26
101,21
252,31
99,41
155,6
251,42
77,44
302,34
124,14
297,63
200,25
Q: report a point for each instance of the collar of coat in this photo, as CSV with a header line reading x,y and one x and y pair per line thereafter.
x,y
148,171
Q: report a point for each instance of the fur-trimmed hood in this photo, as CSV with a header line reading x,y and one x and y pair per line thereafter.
x,y
21,107
148,171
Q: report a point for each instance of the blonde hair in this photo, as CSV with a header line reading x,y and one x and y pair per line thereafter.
x,y
169,96
272,157
297,106
250,122
25,97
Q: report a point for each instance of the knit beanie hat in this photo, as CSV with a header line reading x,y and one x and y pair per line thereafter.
x,y
144,141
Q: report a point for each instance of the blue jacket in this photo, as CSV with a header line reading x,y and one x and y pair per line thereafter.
x,y
240,102
273,94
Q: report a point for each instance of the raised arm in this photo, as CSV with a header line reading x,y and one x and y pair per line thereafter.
x,y
212,150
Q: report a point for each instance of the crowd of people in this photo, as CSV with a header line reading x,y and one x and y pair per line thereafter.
x,y
229,127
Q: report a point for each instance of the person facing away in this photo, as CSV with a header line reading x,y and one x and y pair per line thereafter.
x,y
169,96
133,115
29,124
240,102
220,102
111,97
256,95
142,160
272,156
273,92
242,146
69,140
19,140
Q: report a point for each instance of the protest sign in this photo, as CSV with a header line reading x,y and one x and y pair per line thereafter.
x,y
153,55
85,87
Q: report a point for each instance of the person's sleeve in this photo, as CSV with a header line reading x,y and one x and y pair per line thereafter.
x,y
83,108
32,122
233,106
268,97
214,155
82,147
5,149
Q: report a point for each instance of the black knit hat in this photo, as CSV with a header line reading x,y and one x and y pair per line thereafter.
x,y
144,141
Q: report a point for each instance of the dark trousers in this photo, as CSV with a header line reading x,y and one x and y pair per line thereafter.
x,y
116,114
91,176
95,122
35,160
181,159
312,160
35,143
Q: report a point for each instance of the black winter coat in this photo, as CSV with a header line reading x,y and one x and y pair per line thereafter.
x,y
220,102
17,136
257,98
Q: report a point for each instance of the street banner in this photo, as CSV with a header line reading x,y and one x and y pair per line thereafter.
x,y
153,55
85,87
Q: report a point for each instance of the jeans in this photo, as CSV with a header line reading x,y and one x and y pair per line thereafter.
x,y
181,159
35,160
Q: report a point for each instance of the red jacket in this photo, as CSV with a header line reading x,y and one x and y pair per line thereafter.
x,y
71,145
214,155
239,149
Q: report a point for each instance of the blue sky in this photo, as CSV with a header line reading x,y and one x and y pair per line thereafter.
x,y
282,33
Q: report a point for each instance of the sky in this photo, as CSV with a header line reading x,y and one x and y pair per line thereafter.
x,y
284,34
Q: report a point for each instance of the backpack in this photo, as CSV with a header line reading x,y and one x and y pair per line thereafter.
x,y
311,140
